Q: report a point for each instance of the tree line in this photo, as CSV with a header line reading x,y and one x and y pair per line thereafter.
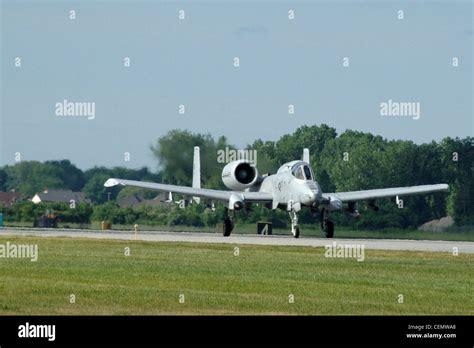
x,y
348,161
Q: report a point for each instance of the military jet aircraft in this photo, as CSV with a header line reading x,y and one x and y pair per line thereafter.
x,y
291,188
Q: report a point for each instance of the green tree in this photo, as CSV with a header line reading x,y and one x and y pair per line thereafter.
x,y
457,166
290,146
71,176
175,151
266,162
3,180
105,212
30,177
123,173
97,192
136,191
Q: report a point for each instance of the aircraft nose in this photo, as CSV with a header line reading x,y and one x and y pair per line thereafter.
x,y
309,197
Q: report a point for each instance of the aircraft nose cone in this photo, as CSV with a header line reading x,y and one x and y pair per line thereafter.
x,y
309,197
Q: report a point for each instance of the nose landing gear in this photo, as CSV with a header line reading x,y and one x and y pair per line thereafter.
x,y
295,229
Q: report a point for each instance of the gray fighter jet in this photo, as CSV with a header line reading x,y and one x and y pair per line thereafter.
x,y
291,188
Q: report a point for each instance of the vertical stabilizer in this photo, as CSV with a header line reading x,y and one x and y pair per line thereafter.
x,y
306,155
196,172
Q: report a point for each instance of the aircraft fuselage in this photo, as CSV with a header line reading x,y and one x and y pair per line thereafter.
x,y
290,190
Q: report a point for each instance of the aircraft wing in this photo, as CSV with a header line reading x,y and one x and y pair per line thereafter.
x,y
194,192
353,196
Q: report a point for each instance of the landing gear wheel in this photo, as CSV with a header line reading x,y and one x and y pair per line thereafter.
x,y
329,229
296,231
327,226
227,226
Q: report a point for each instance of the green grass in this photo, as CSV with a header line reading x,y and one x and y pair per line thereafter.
x,y
214,281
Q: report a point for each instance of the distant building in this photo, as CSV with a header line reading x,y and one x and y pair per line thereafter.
x,y
64,196
7,199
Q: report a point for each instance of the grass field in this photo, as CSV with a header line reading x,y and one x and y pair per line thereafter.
x,y
215,281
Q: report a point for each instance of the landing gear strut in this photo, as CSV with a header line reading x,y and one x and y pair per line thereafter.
x,y
327,226
228,224
295,229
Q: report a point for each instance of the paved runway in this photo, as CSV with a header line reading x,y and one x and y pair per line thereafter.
x,y
379,244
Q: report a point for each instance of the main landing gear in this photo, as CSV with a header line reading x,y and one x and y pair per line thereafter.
x,y
327,226
228,224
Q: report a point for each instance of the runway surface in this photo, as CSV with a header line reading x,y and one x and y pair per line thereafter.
x,y
236,239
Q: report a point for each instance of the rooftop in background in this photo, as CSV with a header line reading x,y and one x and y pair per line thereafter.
x,y
60,196
7,199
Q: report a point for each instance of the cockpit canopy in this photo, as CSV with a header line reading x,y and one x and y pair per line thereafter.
x,y
302,171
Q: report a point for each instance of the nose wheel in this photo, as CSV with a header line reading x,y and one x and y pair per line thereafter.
x,y
295,229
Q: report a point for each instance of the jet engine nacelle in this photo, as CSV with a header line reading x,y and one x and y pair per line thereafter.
x,y
239,175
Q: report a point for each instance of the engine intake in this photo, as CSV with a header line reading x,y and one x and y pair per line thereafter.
x,y
239,175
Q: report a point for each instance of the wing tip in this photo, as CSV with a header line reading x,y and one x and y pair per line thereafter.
x,y
111,182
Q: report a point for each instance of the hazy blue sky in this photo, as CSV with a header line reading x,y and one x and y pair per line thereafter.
x,y
190,62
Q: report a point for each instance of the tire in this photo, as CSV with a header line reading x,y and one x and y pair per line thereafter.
x,y
227,227
329,230
297,232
